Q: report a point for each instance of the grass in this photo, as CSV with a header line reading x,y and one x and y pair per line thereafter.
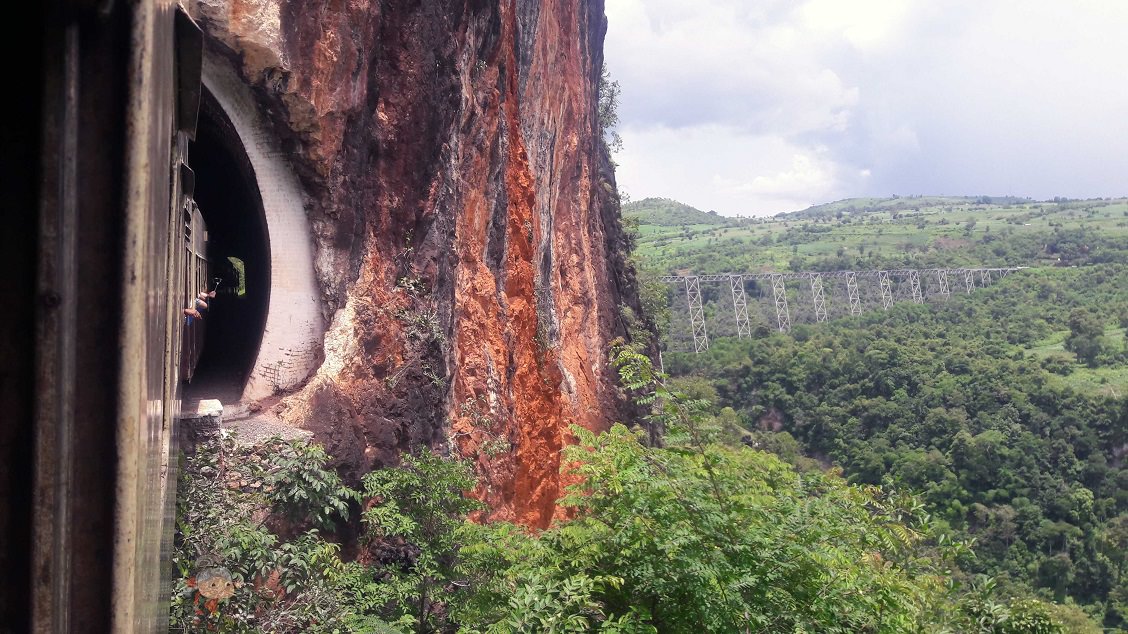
x,y
1106,380
1101,381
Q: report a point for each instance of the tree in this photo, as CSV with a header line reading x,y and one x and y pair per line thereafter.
x,y
609,92
1086,336
414,515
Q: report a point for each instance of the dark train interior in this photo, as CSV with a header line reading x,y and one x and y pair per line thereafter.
x,y
239,250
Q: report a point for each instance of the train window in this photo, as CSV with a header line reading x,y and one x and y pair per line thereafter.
x,y
241,274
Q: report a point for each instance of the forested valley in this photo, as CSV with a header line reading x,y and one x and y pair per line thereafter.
x,y
1004,410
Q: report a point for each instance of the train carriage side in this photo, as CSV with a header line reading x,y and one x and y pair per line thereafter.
x,y
195,290
97,281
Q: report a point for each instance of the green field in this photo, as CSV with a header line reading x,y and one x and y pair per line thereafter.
x,y
1105,380
871,233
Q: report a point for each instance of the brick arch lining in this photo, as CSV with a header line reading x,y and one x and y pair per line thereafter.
x,y
294,328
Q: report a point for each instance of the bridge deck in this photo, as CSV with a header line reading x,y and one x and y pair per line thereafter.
x,y
804,275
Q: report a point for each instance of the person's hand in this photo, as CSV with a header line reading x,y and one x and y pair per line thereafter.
x,y
211,293
192,312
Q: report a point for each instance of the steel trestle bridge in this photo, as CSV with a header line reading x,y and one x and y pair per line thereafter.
x,y
855,291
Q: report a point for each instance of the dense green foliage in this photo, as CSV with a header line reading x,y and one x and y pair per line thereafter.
x,y
1010,440
1086,337
1005,410
233,518
699,535
717,539
252,514
708,537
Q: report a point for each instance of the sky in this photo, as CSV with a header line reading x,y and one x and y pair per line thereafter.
x,y
754,107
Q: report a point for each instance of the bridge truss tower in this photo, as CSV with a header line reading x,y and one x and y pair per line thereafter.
x,y
818,297
696,313
942,280
740,307
779,291
852,293
886,284
914,284
969,280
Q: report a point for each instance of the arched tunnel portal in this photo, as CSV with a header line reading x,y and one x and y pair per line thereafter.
x,y
264,329
238,250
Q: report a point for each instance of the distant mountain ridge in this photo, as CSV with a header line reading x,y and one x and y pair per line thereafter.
x,y
870,233
897,203
672,213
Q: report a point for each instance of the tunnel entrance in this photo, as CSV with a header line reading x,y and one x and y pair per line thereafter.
x,y
238,252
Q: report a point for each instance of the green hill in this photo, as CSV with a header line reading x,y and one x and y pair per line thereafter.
x,y
665,212
866,233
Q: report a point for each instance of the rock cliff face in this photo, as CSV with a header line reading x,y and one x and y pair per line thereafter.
x,y
468,245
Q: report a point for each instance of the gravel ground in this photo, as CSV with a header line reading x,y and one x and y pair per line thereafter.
x,y
255,429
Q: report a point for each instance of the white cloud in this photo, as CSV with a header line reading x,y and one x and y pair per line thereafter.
x,y
740,106
807,174
865,24
729,170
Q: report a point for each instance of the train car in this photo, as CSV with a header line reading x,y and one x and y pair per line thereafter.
x,y
99,266
196,288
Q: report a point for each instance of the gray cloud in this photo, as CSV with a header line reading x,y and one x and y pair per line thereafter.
x,y
762,107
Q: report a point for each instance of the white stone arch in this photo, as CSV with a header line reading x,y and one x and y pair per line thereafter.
x,y
294,329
